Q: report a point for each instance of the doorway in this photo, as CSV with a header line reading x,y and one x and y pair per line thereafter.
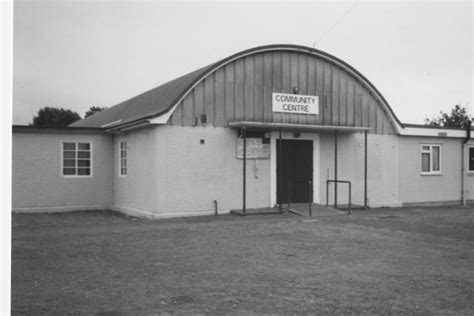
x,y
294,171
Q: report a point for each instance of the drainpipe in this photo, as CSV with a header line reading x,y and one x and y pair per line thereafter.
x,y
463,165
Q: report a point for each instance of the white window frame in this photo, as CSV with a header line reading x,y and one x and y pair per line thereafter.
x,y
120,159
76,142
430,152
470,171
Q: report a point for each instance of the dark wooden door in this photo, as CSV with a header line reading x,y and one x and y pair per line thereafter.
x,y
295,171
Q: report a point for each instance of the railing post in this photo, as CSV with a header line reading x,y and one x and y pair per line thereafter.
x,y
327,193
350,192
350,198
310,189
289,195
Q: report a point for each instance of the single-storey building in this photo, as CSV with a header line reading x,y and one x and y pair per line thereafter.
x,y
265,126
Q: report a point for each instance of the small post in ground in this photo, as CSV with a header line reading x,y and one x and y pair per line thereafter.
x,y
365,170
335,169
244,135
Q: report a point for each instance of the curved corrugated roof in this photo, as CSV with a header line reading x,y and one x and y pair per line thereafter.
x,y
161,99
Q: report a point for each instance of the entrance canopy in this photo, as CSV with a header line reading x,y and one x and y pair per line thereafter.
x,y
287,127
245,126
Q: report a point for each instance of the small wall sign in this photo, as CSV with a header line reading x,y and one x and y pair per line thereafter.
x,y
295,103
256,149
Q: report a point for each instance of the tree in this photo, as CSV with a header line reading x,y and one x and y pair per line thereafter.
x,y
54,117
94,109
457,118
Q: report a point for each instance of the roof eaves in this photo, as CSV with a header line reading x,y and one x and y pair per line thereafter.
x,y
56,130
432,127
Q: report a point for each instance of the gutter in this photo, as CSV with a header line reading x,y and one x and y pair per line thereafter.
x,y
56,130
129,126
464,162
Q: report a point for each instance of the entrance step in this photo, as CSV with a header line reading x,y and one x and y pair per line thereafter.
x,y
303,209
258,211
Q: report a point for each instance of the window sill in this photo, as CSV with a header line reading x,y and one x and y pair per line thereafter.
x,y
430,174
76,177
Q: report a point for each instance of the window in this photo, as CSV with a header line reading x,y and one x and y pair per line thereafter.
x,y
470,156
123,158
76,159
430,159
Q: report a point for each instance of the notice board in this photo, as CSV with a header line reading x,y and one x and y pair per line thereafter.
x,y
256,149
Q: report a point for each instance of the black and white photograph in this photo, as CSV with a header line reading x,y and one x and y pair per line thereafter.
x,y
237,157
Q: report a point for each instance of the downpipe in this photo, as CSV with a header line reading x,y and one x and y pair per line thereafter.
x,y
463,164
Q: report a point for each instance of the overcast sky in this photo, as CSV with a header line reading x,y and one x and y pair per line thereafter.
x,y
99,53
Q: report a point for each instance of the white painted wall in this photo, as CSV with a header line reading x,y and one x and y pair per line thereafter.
x,y
190,175
136,193
446,187
37,184
170,173
382,174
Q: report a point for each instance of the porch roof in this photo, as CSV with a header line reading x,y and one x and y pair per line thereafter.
x,y
287,127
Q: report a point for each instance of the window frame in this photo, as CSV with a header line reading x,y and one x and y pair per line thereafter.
x,y
430,152
91,159
469,148
120,160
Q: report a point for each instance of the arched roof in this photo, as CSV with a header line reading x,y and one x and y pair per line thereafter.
x,y
162,99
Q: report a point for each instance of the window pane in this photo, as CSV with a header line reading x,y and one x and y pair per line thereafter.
x,y
471,159
83,146
436,158
69,154
69,171
83,171
83,154
84,163
69,146
425,162
425,148
69,163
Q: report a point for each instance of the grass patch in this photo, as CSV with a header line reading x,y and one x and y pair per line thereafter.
x,y
403,261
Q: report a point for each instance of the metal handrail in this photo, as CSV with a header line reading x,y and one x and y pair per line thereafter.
x,y
335,201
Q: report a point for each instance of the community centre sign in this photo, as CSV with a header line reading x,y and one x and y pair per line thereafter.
x,y
295,103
